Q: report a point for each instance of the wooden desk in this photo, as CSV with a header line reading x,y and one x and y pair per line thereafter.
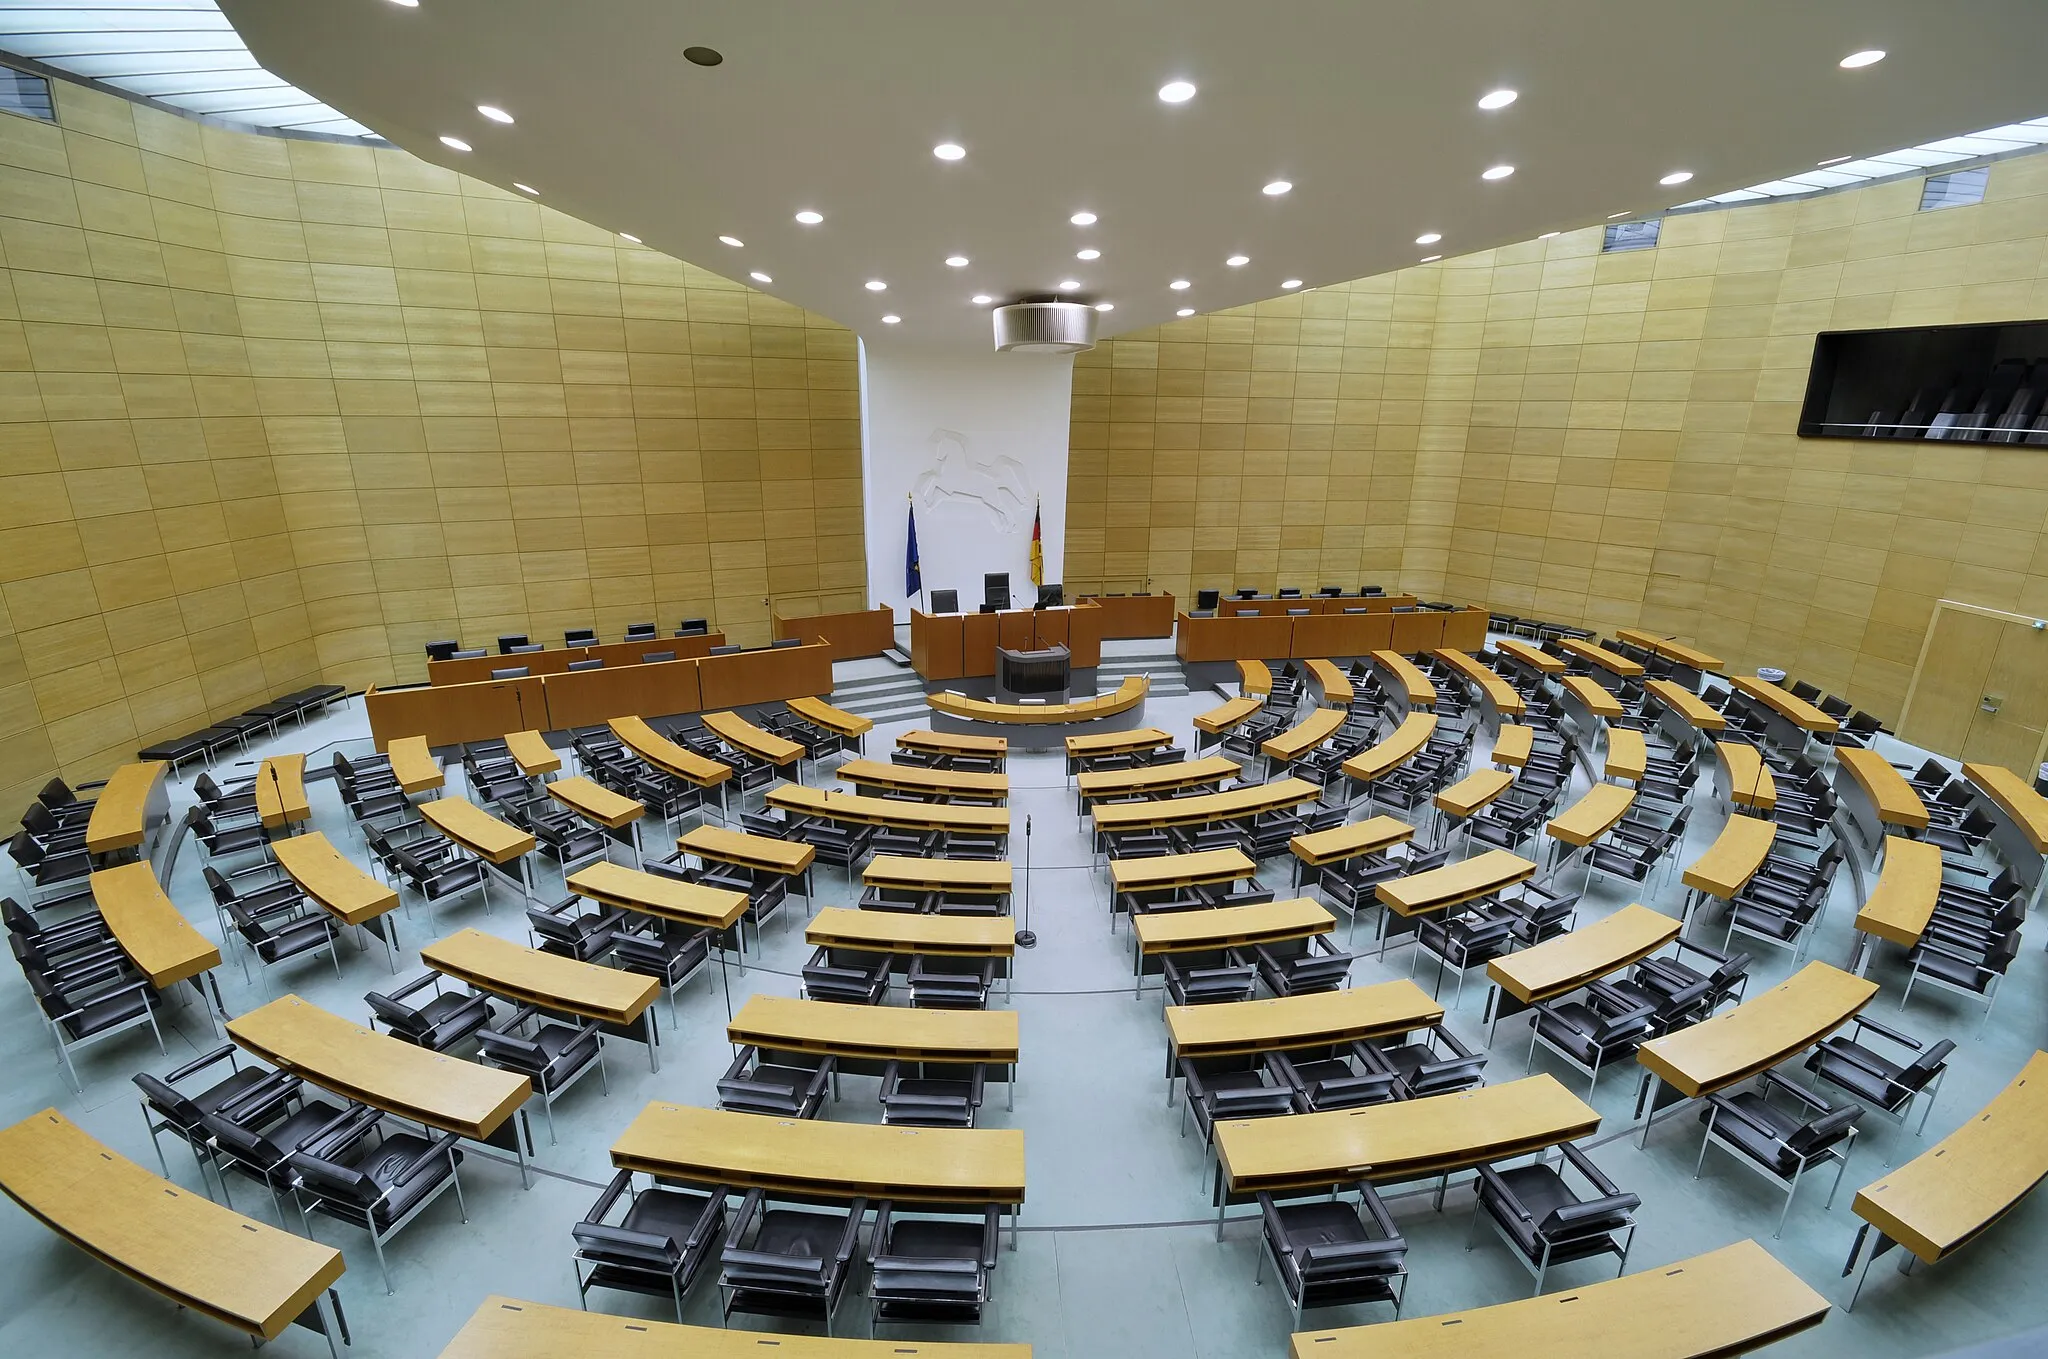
x,y
1787,705
1091,744
995,748
1613,662
1472,792
281,791
1494,692
1757,1034
530,977
1304,736
1628,755
134,802
1405,679
554,660
1455,884
1877,794
1689,706
1532,656
1254,679
942,936
665,755
686,903
825,717
1670,649
149,928
476,830
1317,848
1401,745
1590,698
531,752
1592,816
876,811
716,844
946,646
1220,719
451,714
1154,780
914,778
831,1160
1726,1302
339,1055
242,1273
1743,779
1350,1015
1902,902
1233,805
1733,859
741,734
980,877
596,803
876,1033
413,764
1159,873
332,880
2019,820
850,635
1514,745
1561,965
1220,927
505,1328
1144,615
1332,680
1125,697
1948,1195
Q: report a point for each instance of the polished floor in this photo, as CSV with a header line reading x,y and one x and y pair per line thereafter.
x,y
1118,1255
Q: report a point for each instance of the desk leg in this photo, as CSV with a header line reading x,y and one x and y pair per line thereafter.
x,y
1010,1085
651,1036
330,1320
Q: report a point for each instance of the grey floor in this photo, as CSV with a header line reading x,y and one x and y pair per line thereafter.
x,y
1118,1255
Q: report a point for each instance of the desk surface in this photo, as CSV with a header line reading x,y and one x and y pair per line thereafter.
x,y
987,876
1593,815
819,713
954,743
1785,703
1305,735
1157,778
532,753
664,754
1157,872
281,791
1123,698
945,936
1941,1199
1734,857
1759,1033
1403,1140
1191,811
475,829
1116,742
339,1055
240,1272
1474,791
1687,704
121,813
1265,922
812,1156
1529,654
1330,677
413,765
1498,691
1254,677
1586,691
1668,648
915,778
749,851
688,903
1628,755
1225,716
1513,745
1397,749
2014,796
148,927
595,802
332,879
740,734
1902,902
1614,663
1585,955
1325,1017
876,811
1750,783
1730,1301
875,1031
518,973
1407,677
508,1328
1896,802
1453,884
1350,840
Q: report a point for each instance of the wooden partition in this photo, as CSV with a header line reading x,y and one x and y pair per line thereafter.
x,y
1134,615
947,646
1254,637
764,676
1232,639
1315,604
555,660
1341,634
585,698
850,635
449,714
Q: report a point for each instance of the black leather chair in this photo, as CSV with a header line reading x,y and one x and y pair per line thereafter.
x,y
668,952
657,1247
258,1143
439,880
693,627
938,982
575,927
789,1262
552,1055
89,1000
1303,967
641,632
510,640
46,869
1250,1085
438,1020
850,976
932,1094
1345,1076
995,590
258,1095
779,1084
285,932
1779,1144
934,1268
1430,1062
379,1189
1851,1064
945,601
1462,940
441,651
1547,1222
1330,1253
1604,1026
1208,978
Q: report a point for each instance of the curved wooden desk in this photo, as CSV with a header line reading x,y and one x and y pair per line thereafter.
x,y
281,791
598,804
1730,1301
943,936
1561,965
531,752
130,807
875,1033
242,1273
1472,792
1877,794
1401,746
1331,679
1454,884
494,842
149,927
824,716
1902,902
995,748
1784,703
2014,796
1220,719
1592,816
1347,841
1743,779
1267,922
1590,698
413,764
1254,677
877,811
1628,755
1304,736
1670,649
332,880
1691,709
1525,653
1733,859
665,755
508,1328
528,976
686,903
1349,1015
1162,872
913,778
1592,653
1233,805
1127,696
1494,691
1090,744
716,844
1513,745
740,734
980,877
1405,678
1156,780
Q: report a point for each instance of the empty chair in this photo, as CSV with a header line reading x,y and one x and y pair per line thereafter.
x,y
1207,978
1302,967
441,651
932,1094
851,976
669,953
1330,1253
45,869
510,640
932,1268
258,1143
511,672
1463,940
88,1000
789,1262
995,589
1346,1076
1780,1144
552,1055
575,927
693,627
1968,968
423,1014
781,1084
1547,1222
1434,1064
438,880
381,1188
593,663
729,649
579,637
286,931
1248,1085
652,657
947,983
657,1246
641,632
258,1096
1605,1026
1850,1063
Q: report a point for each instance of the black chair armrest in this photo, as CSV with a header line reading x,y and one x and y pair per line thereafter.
x,y
1903,1040
442,1146
621,1182
1496,1186
849,1241
1594,1175
277,1085
599,1235
349,1126
1771,1080
1276,1229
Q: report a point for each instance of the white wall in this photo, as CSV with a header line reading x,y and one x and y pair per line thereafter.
x,y
971,437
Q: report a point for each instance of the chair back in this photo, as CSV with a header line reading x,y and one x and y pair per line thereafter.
x,y
1818,1134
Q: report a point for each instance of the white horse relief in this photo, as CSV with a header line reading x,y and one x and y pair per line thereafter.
x,y
998,484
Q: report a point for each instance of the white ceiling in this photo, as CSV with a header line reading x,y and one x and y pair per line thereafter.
x,y
1367,106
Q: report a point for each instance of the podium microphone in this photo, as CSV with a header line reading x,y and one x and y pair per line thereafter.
x,y
1025,938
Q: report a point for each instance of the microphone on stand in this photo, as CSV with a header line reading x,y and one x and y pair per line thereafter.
x,y
1025,938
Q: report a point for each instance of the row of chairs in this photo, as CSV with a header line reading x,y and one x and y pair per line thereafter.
x,y
49,849
83,982
516,643
204,743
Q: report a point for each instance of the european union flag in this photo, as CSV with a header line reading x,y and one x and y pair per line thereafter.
x,y
913,578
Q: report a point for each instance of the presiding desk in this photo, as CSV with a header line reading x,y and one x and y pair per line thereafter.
x,y
1726,1302
413,765
130,807
1234,805
242,1273
1321,1019
507,1328
151,931
1877,796
951,785
1562,965
281,792
866,1038
1221,927
946,646
555,660
1139,615
617,999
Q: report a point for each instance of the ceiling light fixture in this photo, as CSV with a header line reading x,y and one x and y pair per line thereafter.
x,y
406,4
494,113
1616,216
627,236
1856,61
1497,172
1185,311
1290,283
891,319
957,261
1429,238
949,151
526,188
982,299
1083,219
1238,261
809,218
1431,259
1087,254
1498,99
1180,285
1832,160
733,241
1068,285
1176,92
876,285
1548,234
455,143
1276,188
1105,306
1675,177
760,277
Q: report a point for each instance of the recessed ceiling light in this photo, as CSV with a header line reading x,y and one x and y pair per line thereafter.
x,y
891,319
982,299
494,113
760,277
1614,216
1087,254
1083,219
957,261
1176,92
1548,234
455,143
1499,99
1180,285
703,56
949,151
1429,238
1185,311
1105,306
407,4
1068,285
1290,283
627,236
1675,177
1238,261
1497,172
526,188
1834,160
1431,259
1856,61
1276,188
876,285
732,241
809,218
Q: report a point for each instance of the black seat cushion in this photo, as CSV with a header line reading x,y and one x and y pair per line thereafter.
x,y
382,1166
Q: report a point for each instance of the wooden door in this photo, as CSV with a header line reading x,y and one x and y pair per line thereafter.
x,y
1982,689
